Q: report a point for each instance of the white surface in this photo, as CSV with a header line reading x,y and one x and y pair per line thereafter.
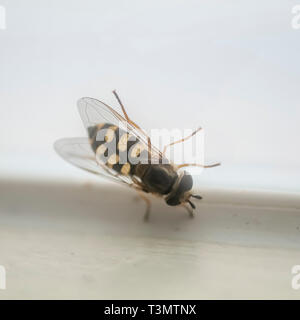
x,y
89,241
231,67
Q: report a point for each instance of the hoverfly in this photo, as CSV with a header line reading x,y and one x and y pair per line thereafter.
x,y
161,178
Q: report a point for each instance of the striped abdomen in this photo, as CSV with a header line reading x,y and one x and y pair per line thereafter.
x,y
116,148
127,155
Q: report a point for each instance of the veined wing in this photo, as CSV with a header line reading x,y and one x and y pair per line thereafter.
x,y
93,112
78,152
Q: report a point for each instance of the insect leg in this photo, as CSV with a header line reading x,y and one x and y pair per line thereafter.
x,y
189,210
121,104
131,122
181,140
198,165
148,203
125,113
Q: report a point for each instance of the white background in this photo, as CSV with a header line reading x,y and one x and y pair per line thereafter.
x,y
231,67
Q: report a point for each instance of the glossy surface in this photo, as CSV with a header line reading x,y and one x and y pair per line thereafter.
x,y
89,241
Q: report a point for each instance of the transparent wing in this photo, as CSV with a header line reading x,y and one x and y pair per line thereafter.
x,y
78,152
93,111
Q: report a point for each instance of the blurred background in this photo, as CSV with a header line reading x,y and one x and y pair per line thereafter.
x,y
231,67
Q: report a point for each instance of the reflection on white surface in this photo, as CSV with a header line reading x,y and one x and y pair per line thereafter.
x,y
90,241
53,168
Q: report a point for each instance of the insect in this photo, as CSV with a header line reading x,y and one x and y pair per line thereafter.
x,y
131,145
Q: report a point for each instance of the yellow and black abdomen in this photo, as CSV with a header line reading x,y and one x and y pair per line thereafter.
x,y
116,148
127,155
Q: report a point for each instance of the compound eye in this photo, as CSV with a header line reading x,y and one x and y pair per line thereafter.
x,y
186,183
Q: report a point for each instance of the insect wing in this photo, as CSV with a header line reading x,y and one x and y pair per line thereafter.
x,y
93,111
78,152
